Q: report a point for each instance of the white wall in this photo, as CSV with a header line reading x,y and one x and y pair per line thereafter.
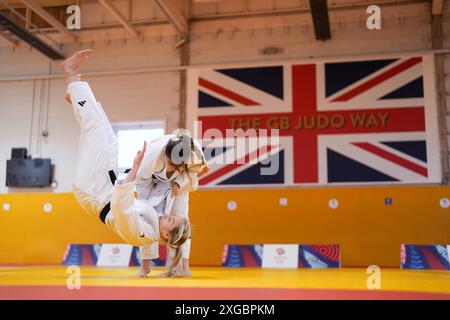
x,y
147,96
446,28
403,28
131,97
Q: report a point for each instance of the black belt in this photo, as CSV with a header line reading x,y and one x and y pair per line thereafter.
x,y
106,209
105,212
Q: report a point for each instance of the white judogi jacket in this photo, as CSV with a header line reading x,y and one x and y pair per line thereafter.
x,y
129,215
154,163
135,221
153,185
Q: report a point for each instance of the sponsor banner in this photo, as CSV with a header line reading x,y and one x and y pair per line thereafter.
x,y
88,254
425,257
115,255
282,256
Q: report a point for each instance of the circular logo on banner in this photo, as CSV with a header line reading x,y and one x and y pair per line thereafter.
x,y
333,204
231,205
48,207
445,203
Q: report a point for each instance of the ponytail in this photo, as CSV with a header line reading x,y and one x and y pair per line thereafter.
x,y
178,237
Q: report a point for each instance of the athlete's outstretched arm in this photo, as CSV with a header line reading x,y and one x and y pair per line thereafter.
x,y
131,176
123,193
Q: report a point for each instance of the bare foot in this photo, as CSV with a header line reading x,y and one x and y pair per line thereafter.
x,y
185,273
67,97
143,273
70,67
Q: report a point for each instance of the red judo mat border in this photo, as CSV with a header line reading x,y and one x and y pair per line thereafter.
x,y
187,293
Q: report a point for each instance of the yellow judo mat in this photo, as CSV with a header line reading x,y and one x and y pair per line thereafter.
x,y
61,282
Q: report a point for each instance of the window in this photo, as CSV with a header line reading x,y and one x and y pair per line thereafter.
x,y
131,136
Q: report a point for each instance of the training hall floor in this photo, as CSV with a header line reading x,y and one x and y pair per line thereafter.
x,y
50,282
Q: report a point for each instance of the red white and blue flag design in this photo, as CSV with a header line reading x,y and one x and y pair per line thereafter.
x,y
365,121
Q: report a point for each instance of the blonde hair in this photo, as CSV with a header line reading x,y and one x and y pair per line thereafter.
x,y
178,236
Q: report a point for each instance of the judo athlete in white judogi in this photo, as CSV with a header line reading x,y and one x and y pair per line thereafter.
x,y
95,188
169,171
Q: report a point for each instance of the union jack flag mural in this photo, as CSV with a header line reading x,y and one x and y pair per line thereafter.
x,y
363,121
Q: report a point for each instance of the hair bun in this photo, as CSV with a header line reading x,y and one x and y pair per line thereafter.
x,y
182,131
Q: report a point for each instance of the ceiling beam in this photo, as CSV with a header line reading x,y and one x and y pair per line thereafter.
x,y
9,38
120,17
436,7
7,23
50,19
174,15
321,21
